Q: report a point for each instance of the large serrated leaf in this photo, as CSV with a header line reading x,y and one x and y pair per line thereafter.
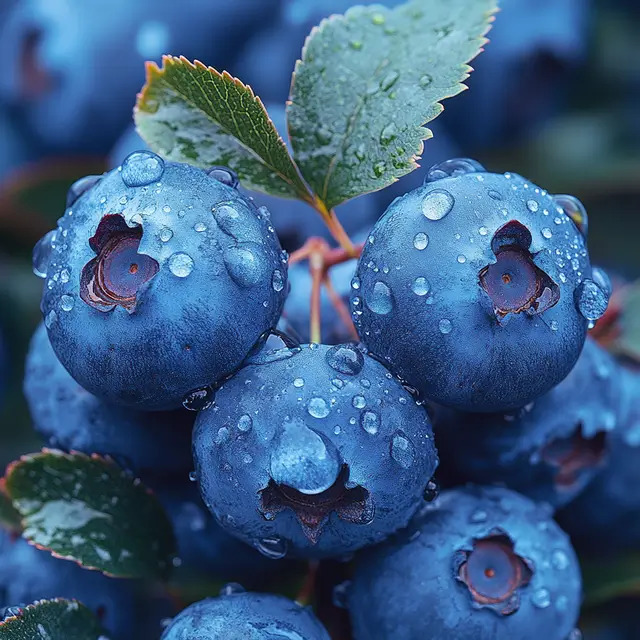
x,y
367,84
53,620
87,509
188,112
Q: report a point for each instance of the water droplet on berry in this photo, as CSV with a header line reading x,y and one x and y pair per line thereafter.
x,y
50,318
358,402
245,423
420,286
42,253
298,383
64,276
370,422
603,281
483,231
200,227
181,265
346,359
547,233
273,547
541,598
462,259
193,476
554,325
572,207
67,302
533,206
478,516
402,450
318,407
431,491
243,265
591,300
80,187
141,168
166,234
421,241
453,168
225,176
380,300
437,204
559,560
277,281
199,399
445,326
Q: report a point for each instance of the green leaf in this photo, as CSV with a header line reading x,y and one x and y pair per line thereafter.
x,y
87,509
367,83
188,112
54,620
10,519
607,580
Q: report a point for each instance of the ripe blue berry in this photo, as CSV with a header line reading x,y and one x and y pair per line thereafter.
x,y
477,564
606,517
250,616
489,277
70,418
159,280
317,450
548,450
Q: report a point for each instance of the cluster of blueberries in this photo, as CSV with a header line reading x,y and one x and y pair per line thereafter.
x,y
166,289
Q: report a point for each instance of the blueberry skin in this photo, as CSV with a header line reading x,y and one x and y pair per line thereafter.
x,y
63,56
606,517
70,418
407,588
28,574
250,616
220,284
420,277
548,451
292,418
204,548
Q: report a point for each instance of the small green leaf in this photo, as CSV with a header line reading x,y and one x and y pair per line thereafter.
x,y
87,509
188,112
367,84
53,620
9,518
607,580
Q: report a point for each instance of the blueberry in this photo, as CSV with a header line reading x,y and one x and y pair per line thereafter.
x,y
606,516
160,279
207,551
315,450
70,418
490,278
57,73
548,450
478,563
250,616
29,574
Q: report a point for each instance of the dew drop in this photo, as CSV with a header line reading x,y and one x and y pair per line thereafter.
x,y
358,402
533,206
478,516
225,176
445,326
380,300
483,231
244,265
80,187
541,598
277,281
166,234
591,300
462,259
67,302
346,359
273,547
50,318
601,278
245,423
559,560
420,286
181,265
370,422
318,407
199,399
193,476
547,233
64,276
355,283
141,168
554,325
200,227
402,450
42,254
437,204
453,168
298,383
231,589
